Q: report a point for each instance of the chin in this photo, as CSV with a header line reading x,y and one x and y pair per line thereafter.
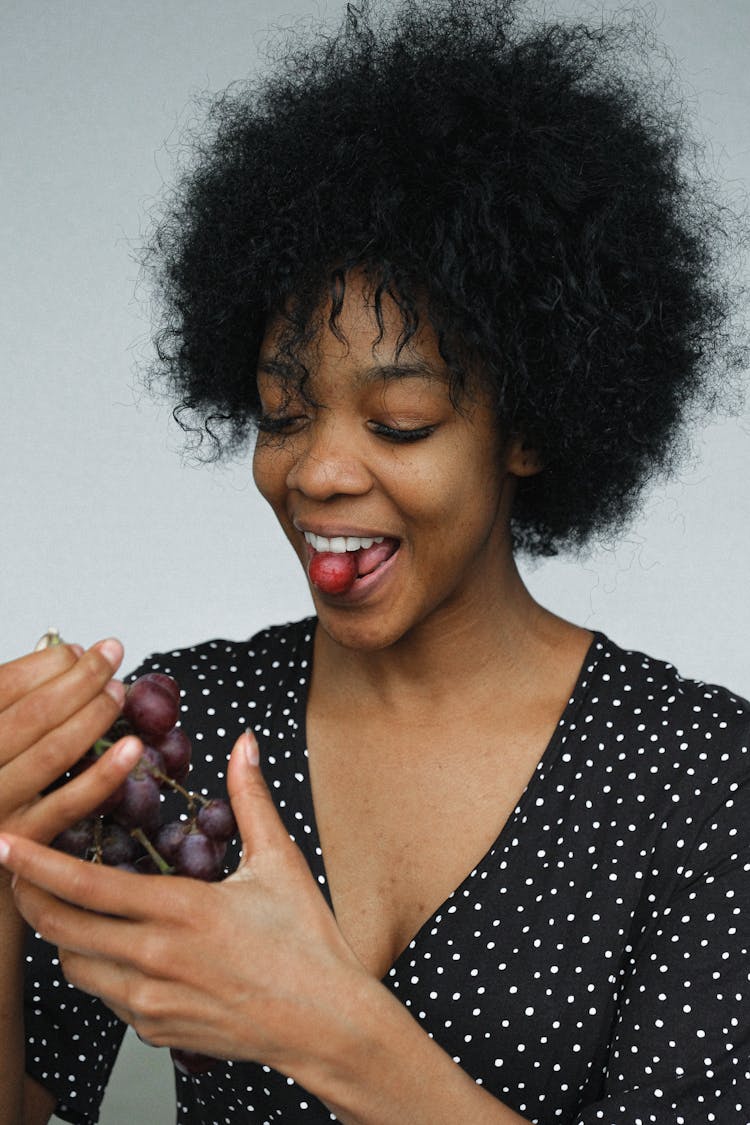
x,y
357,632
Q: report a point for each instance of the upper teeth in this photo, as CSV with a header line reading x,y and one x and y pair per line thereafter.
x,y
340,543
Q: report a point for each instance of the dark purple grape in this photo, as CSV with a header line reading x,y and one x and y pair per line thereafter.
x,y
165,681
216,819
78,840
220,850
126,831
117,845
168,840
151,761
197,858
150,708
127,867
191,1062
110,803
176,750
140,806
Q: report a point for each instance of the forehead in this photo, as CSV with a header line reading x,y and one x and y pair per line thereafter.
x,y
362,332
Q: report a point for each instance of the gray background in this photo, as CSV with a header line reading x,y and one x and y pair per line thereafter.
x,y
104,528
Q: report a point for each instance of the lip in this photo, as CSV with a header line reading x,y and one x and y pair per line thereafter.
x,y
333,531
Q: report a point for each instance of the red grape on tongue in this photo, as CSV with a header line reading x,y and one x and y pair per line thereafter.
x,y
333,573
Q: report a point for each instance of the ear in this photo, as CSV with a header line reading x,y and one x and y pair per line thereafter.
x,y
521,458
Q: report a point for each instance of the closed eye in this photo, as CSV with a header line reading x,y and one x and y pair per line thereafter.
x,y
279,423
401,436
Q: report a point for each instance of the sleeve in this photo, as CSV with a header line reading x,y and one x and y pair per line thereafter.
x,y
72,1039
680,1053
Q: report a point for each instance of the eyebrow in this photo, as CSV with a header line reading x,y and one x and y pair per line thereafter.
x,y
362,376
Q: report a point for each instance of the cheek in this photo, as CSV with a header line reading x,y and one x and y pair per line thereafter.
x,y
460,486
270,470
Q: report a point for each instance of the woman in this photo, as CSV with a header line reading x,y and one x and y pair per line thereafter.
x,y
451,270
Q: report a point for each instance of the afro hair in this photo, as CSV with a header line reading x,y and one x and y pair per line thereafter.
x,y
513,181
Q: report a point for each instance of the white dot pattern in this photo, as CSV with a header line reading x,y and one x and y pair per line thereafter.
x,y
592,968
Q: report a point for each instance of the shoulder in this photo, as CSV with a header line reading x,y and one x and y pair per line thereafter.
x,y
221,680
270,648
658,688
689,726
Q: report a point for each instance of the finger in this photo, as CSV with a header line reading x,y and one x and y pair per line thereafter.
x,y
40,711
160,1012
105,890
112,982
258,821
80,797
109,980
29,773
74,929
19,677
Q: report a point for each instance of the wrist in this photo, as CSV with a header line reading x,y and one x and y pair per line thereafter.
x,y
377,1066
365,1068
352,1043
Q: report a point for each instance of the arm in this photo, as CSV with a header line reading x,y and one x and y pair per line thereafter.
x,y
385,1070
286,990
22,1099
52,707
11,1009
38,1103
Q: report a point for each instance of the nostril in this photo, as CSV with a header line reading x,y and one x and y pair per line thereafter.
x,y
321,477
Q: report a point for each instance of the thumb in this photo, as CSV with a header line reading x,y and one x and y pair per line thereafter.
x,y
258,822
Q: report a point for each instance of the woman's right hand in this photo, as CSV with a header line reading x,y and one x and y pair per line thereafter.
x,y
54,704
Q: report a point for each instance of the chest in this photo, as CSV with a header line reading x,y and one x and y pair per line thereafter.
x,y
400,830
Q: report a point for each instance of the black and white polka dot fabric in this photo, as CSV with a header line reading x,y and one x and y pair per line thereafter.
x,y
593,967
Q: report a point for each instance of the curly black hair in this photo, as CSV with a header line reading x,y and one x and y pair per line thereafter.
x,y
511,180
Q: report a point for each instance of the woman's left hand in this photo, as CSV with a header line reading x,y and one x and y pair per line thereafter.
x,y
253,967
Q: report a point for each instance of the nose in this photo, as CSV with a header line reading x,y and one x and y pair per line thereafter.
x,y
329,461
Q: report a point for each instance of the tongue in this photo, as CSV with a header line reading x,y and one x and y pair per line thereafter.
x,y
371,557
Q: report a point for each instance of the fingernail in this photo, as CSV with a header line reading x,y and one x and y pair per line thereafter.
x,y
128,752
111,650
117,691
251,749
77,649
4,850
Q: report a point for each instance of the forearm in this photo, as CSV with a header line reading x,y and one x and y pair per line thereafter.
x,y
381,1068
12,933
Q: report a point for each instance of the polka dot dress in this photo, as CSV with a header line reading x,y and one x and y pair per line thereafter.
x,y
592,968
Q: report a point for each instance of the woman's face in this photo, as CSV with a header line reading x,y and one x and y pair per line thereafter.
x,y
382,453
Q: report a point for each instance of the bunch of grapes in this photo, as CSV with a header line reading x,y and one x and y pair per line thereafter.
x,y
127,830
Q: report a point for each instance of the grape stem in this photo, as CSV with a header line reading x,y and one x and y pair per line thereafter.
x,y
103,744
189,796
139,835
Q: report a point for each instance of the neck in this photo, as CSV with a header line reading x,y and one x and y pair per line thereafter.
x,y
493,642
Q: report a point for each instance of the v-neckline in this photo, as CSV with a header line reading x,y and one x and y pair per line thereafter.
x,y
546,760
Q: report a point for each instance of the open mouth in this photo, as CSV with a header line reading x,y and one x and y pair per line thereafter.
x,y
335,564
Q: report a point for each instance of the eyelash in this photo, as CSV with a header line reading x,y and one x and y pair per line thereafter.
x,y
278,425
275,424
401,437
